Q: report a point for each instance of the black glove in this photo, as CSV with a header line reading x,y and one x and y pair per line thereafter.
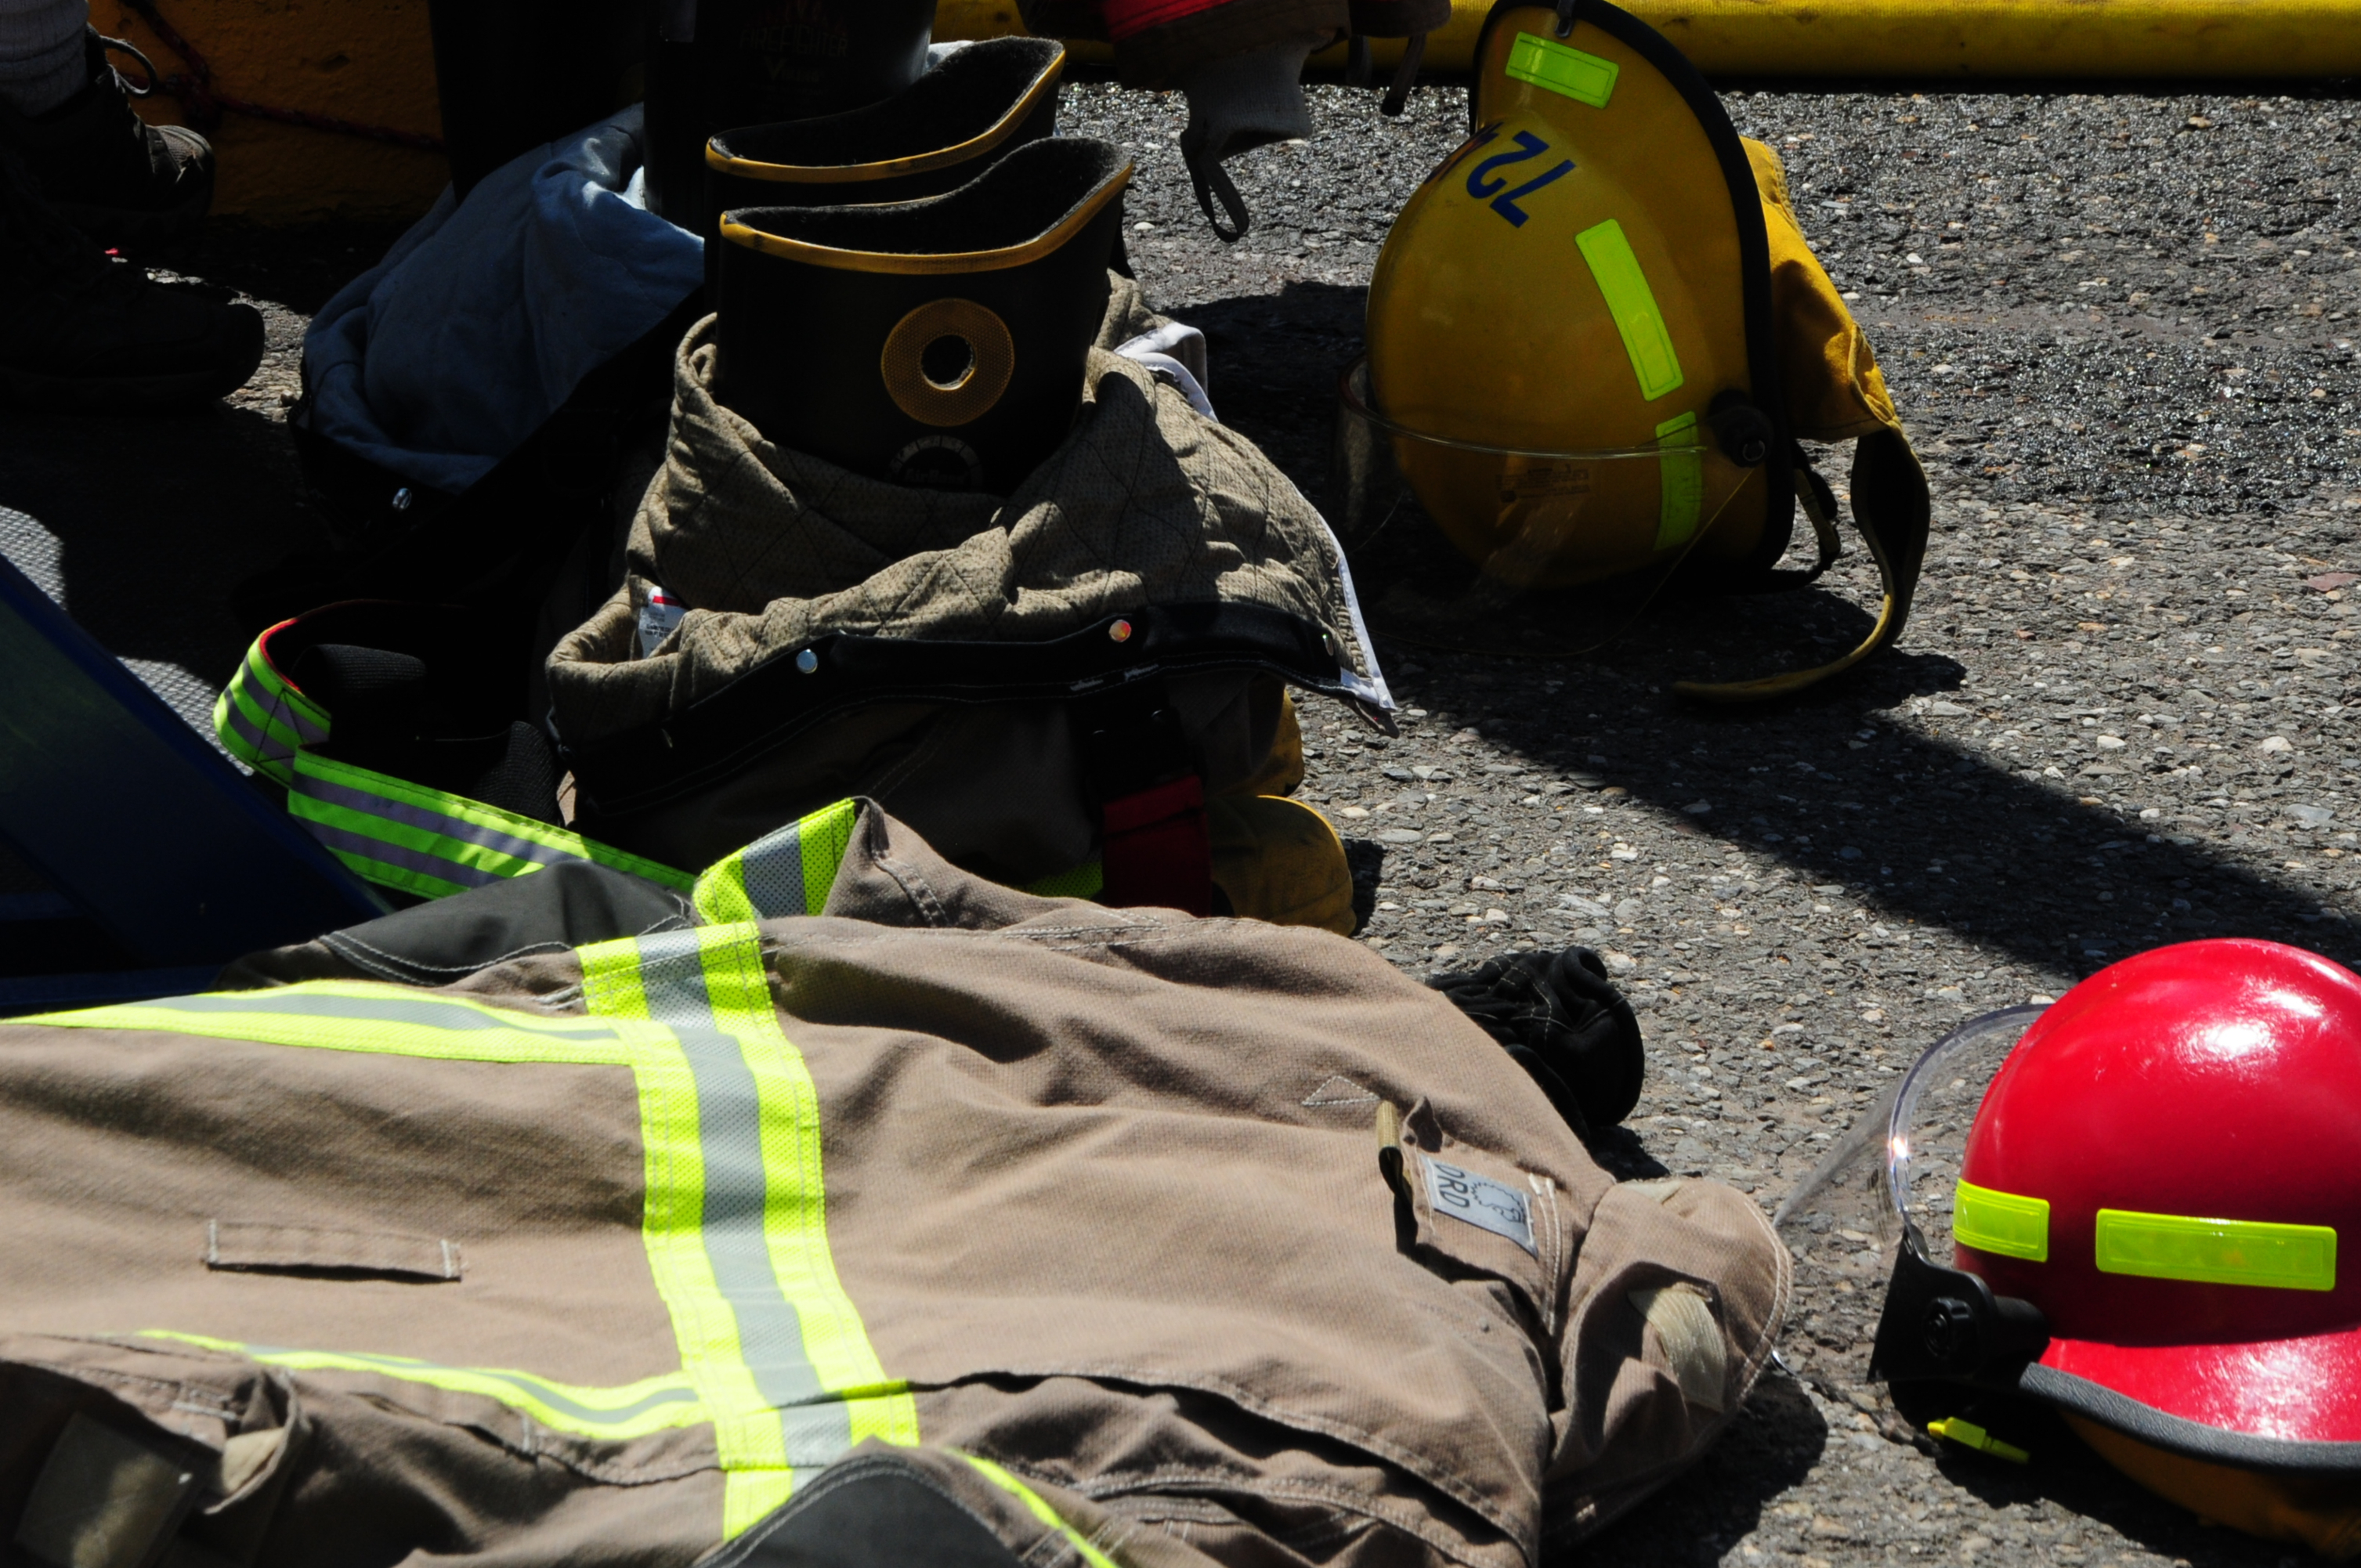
x,y
1557,1015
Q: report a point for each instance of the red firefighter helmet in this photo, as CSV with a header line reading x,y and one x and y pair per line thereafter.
x,y
2165,1166
2142,1189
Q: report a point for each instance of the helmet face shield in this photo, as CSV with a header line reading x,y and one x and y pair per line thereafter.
x,y
1882,1202
1502,549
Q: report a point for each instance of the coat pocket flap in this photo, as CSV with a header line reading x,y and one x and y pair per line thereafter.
x,y
243,1244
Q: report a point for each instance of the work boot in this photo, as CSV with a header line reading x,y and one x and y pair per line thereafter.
x,y
80,330
127,184
962,368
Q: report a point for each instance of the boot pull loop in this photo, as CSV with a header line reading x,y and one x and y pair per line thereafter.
x,y
124,46
1397,96
1212,180
1356,61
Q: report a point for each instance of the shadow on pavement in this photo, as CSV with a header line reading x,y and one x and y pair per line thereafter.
x,y
2066,1471
142,525
1776,1439
297,268
1915,824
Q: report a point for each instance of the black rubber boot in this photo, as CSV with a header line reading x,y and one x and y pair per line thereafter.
x,y
132,187
79,330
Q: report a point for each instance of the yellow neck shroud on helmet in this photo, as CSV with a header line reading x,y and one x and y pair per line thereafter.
x,y
1596,333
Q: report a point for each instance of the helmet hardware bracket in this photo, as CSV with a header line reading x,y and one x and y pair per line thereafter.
x,y
1743,430
1947,1324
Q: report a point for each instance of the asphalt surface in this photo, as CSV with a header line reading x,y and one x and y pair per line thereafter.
x,y
2122,329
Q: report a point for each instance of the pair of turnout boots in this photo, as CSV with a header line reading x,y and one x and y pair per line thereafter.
x,y
80,328
909,290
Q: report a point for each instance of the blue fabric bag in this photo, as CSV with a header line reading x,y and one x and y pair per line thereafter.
x,y
438,361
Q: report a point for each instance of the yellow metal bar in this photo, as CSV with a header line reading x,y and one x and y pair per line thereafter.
x,y
2013,38
1967,38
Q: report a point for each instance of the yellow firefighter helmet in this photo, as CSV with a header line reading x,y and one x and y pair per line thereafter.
x,y
1569,326
1596,337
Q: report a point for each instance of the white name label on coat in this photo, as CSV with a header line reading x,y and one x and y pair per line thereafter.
x,y
1481,1202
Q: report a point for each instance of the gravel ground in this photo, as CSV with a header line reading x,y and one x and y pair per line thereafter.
x,y
2121,328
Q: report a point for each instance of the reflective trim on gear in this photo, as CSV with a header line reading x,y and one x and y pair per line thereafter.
x,y
388,830
773,1352
789,872
634,1409
1562,68
367,1015
785,872
1646,339
1684,481
2002,1223
1085,881
1039,1509
425,841
264,721
800,1382
2217,1251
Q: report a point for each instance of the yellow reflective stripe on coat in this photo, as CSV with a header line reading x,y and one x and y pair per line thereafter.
x,y
794,1380
632,1410
1038,1507
790,872
264,721
380,1018
734,1221
388,831
1084,881
433,843
2217,1251
786,872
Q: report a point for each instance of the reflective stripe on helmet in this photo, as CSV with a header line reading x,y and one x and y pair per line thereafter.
x,y
783,873
399,834
2217,1251
1562,68
1632,303
2155,1246
773,1352
799,1382
2001,1223
1684,481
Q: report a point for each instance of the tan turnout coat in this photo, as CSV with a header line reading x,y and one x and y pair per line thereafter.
x,y
1106,1190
